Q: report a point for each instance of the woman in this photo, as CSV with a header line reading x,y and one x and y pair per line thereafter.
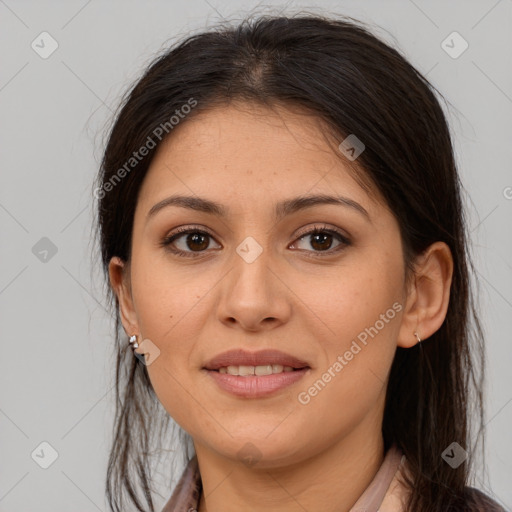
x,y
281,226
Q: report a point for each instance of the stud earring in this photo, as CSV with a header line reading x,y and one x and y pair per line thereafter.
x,y
133,342
417,337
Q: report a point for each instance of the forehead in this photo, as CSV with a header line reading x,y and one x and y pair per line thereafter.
x,y
243,149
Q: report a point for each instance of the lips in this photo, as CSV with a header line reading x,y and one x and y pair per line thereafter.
x,y
247,375
240,357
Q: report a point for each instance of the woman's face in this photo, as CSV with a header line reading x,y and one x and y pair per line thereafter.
x,y
255,279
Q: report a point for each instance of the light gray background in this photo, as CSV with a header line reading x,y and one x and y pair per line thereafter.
x,y
57,373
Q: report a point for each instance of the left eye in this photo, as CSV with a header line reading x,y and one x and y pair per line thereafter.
x,y
321,239
197,241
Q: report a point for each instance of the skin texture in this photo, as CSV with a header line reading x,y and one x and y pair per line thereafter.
x,y
315,456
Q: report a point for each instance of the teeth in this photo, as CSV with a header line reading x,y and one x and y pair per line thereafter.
x,y
245,371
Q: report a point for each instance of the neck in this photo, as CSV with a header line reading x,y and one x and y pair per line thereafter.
x,y
330,481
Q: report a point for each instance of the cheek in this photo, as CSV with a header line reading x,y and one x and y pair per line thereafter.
x,y
362,310
360,294
166,296
171,307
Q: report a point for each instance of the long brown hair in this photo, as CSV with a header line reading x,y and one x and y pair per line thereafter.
x,y
339,71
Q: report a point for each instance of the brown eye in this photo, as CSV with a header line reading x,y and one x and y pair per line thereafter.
x,y
321,240
187,241
197,241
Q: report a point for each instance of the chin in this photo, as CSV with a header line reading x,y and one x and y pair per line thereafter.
x,y
259,450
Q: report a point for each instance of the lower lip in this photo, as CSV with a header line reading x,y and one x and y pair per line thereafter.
x,y
258,385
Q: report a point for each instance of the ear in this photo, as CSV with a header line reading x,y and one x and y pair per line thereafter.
x,y
428,295
120,281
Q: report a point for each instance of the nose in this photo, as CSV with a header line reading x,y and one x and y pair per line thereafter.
x,y
254,295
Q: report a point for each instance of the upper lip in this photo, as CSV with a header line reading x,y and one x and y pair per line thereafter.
x,y
239,357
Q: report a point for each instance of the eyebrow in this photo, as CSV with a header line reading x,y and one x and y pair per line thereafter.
x,y
282,209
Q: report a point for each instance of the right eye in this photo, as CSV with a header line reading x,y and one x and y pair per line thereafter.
x,y
195,239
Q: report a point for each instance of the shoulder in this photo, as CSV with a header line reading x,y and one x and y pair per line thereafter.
x,y
472,499
477,501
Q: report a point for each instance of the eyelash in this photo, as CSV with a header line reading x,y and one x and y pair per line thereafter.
x,y
167,241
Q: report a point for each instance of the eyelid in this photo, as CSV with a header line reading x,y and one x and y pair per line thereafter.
x,y
193,227
322,227
169,239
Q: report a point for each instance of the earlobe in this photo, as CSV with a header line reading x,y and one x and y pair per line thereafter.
x,y
428,295
120,283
